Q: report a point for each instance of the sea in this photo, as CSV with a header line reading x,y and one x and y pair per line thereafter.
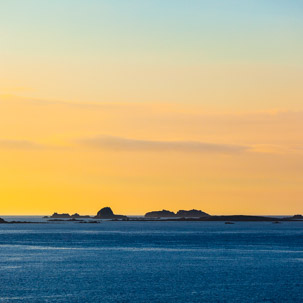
x,y
134,262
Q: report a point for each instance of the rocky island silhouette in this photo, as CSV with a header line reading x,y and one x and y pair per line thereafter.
x,y
106,213
194,213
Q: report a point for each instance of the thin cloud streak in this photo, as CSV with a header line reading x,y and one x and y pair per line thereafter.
x,y
19,144
126,144
81,105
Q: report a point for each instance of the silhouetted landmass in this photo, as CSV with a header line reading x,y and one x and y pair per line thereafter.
x,y
2,221
107,213
66,216
104,213
297,217
198,215
57,216
160,214
166,215
234,218
194,213
76,215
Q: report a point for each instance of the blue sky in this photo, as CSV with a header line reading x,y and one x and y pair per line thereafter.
x,y
205,30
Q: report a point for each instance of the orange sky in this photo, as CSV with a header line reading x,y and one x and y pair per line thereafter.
x,y
145,105
68,157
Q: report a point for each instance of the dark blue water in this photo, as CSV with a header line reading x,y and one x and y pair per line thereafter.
x,y
152,262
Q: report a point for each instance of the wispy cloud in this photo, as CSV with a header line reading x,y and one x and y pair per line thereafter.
x,y
19,144
126,144
81,105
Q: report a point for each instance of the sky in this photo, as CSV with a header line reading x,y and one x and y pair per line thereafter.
x,y
147,105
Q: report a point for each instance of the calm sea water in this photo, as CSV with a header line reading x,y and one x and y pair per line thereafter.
x,y
151,262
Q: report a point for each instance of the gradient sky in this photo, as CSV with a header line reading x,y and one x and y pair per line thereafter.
x,y
143,105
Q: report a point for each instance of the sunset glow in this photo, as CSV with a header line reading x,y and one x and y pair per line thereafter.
x,y
197,105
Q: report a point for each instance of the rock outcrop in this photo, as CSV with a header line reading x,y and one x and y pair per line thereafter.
x,y
297,217
160,214
76,215
65,216
60,216
2,221
194,213
107,213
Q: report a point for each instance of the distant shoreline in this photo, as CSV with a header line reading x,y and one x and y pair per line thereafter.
x,y
192,215
227,219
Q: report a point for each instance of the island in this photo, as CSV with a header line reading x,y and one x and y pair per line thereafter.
x,y
160,214
107,213
297,217
194,213
103,213
66,216
2,221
